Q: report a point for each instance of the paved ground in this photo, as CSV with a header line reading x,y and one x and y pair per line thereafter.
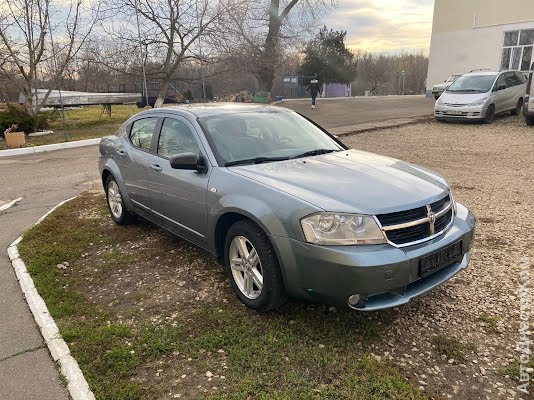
x,y
43,180
26,369
335,113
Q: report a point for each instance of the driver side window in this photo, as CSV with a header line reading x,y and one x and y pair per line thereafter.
x,y
176,137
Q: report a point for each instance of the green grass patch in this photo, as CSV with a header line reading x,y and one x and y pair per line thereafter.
x,y
85,123
452,348
140,345
491,321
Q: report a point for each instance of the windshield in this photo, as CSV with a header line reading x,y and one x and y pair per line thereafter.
x,y
265,136
472,83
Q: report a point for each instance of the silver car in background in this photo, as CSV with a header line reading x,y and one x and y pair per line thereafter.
x,y
482,94
438,89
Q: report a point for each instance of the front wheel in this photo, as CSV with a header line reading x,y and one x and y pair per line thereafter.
x,y
518,107
252,267
490,114
529,121
115,202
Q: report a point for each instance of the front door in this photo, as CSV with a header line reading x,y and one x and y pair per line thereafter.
x,y
178,197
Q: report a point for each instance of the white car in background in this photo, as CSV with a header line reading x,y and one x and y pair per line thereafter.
x,y
438,89
482,94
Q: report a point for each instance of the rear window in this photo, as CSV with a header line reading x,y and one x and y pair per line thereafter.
x,y
142,131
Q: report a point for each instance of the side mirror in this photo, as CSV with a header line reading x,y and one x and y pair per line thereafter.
x,y
501,87
188,161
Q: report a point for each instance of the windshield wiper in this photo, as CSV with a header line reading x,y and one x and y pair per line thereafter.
x,y
314,153
256,160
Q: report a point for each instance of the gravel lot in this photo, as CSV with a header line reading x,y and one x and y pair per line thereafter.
x,y
491,171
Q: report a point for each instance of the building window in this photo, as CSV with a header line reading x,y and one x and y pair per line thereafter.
x,y
517,50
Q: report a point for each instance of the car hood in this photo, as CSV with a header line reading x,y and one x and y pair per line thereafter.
x,y
351,181
462,98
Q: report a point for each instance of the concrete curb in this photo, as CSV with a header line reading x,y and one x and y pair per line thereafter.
x,y
48,147
10,204
76,383
376,126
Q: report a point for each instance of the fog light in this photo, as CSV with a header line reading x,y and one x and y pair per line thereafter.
x,y
354,299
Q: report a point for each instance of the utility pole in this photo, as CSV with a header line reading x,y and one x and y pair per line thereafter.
x,y
145,88
199,25
403,73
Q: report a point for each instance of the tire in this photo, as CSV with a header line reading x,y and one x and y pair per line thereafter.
x,y
529,121
436,97
490,114
518,107
117,209
242,239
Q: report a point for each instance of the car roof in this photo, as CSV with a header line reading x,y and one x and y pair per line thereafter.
x,y
202,110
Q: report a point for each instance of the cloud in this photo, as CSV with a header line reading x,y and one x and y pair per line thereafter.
x,y
384,25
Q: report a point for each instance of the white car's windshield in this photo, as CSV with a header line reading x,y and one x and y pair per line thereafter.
x,y
472,83
262,136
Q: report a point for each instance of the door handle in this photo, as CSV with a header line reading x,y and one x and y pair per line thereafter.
x,y
155,167
121,152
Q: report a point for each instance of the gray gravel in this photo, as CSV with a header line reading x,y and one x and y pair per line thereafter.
x,y
491,171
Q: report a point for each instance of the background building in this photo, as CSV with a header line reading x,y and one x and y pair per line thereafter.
x,y
474,34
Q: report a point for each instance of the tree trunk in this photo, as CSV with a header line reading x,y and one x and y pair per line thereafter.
x,y
162,92
269,59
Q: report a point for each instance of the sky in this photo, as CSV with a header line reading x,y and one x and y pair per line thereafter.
x,y
384,25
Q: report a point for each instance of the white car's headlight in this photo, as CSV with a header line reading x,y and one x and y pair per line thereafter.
x,y
341,229
479,102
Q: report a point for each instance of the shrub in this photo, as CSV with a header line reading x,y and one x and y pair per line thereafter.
x,y
18,115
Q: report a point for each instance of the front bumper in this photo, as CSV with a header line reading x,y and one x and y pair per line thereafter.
x,y
442,111
382,275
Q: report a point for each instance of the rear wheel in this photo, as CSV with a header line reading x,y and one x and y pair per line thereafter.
x,y
490,114
252,267
115,202
529,121
517,109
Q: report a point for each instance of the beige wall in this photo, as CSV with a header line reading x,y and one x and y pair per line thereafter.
x,y
461,43
455,15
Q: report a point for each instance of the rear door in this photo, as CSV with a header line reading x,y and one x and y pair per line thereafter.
x,y
133,160
178,197
514,87
502,97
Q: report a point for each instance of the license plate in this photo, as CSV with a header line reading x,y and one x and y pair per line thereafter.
x,y
454,112
440,259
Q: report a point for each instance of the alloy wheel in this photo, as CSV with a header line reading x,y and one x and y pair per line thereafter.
x,y
115,199
246,267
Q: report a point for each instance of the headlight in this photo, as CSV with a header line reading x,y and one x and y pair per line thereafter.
x,y
479,102
341,229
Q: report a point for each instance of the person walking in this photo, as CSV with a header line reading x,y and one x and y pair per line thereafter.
x,y
314,89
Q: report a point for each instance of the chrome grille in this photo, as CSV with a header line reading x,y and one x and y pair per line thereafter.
x,y
407,227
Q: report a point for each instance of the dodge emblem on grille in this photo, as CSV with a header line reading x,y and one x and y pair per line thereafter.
x,y
431,219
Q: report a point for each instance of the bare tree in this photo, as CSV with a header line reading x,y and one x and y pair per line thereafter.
x,y
374,69
172,31
27,31
264,25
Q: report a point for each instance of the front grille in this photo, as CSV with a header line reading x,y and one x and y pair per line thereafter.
x,y
405,227
455,105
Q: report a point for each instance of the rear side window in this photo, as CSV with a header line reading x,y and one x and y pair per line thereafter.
x,y
521,77
142,131
512,79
